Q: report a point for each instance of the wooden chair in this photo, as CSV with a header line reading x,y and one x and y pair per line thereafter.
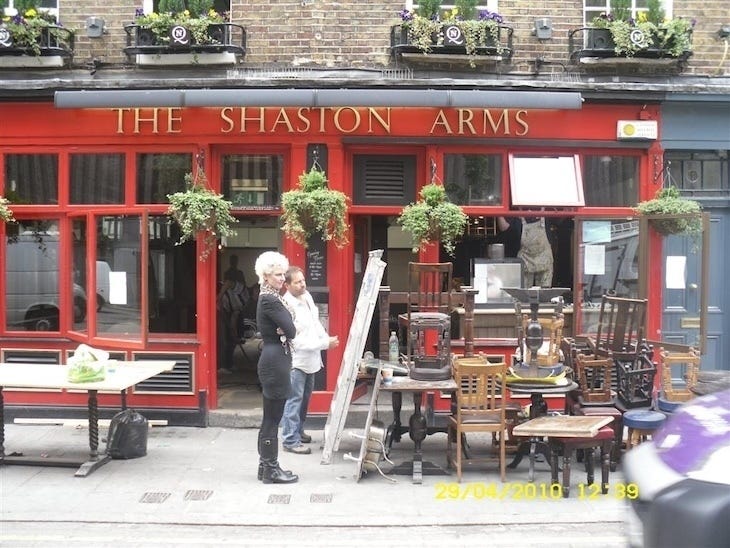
x,y
480,407
595,378
552,334
689,365
428,310
621,325
621,337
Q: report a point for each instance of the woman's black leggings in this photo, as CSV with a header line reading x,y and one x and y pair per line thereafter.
x,y
273,411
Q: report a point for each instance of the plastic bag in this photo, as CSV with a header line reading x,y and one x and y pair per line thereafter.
x,y
87,365
127,435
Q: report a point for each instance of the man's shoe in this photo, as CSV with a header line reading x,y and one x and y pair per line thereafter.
x,y
306,438
298,449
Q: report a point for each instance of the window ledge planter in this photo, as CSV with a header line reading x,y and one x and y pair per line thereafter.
x,y
596,46
181,44
33,41
483,38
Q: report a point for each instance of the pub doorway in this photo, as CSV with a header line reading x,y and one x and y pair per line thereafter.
x,y
382,232
237,288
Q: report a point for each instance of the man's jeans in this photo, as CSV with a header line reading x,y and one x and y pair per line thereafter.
x,y
295,410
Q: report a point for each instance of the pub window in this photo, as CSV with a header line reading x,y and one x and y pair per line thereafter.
x,y
473,179
31,178
221,6
384,179
702,172
161,174
118,245
594,8
253,180
171,279
80,278
51,6
32,298
97,178
491,5
611,181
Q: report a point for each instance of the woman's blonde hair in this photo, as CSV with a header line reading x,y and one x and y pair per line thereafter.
x,y
267,262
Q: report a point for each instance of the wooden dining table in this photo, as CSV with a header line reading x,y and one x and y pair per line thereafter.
x,y
538,408
120,376
418,423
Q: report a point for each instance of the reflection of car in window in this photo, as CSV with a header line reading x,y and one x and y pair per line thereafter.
x,y
683,478
32,293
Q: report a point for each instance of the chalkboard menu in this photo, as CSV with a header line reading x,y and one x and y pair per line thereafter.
x,y
316,262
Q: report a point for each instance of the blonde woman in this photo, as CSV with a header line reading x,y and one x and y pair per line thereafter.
x,y
276,324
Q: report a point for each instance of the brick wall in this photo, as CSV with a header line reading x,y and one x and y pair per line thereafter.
x,y
356,34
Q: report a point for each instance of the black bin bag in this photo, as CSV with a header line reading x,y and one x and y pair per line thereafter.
x,y
127,435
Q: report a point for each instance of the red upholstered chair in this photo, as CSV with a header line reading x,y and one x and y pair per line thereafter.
x,y
567,446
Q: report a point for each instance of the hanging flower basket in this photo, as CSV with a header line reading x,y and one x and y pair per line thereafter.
x,y
6,214
433,218
668,201
200,210
315,209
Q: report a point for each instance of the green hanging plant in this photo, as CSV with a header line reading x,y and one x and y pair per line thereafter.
x,y
433,218
199,209
315,209
668,201
6,214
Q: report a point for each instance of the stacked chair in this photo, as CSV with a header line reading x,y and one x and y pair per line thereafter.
x,y
427,320
614,368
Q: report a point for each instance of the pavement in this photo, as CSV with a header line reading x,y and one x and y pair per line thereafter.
x,y
197,478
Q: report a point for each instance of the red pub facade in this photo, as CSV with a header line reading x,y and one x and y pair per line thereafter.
x,y
89,189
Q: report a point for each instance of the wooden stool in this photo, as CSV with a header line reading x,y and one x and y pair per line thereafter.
x,y
617,426
641,423
566,446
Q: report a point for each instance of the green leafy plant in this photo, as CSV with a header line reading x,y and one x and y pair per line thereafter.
x,y
649,30
668,201
315,209
433,218
6,214
199,209
31,27
424,26
197,18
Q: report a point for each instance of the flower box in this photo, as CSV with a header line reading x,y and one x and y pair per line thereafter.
x,y
222,43
450,40
46,46
599,43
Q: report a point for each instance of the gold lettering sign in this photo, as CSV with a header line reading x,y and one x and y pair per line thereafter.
x,y
343,120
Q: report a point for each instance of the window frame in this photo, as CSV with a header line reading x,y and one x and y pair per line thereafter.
x,y
589,12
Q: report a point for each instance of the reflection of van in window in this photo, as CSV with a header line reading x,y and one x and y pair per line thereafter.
x,y
31,284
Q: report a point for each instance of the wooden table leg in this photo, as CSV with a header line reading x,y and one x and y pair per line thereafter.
x,y
94,461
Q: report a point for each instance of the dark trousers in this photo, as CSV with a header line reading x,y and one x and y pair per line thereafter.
x,y
273,411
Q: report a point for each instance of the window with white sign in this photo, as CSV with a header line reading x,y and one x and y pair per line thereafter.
x,y
546,181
